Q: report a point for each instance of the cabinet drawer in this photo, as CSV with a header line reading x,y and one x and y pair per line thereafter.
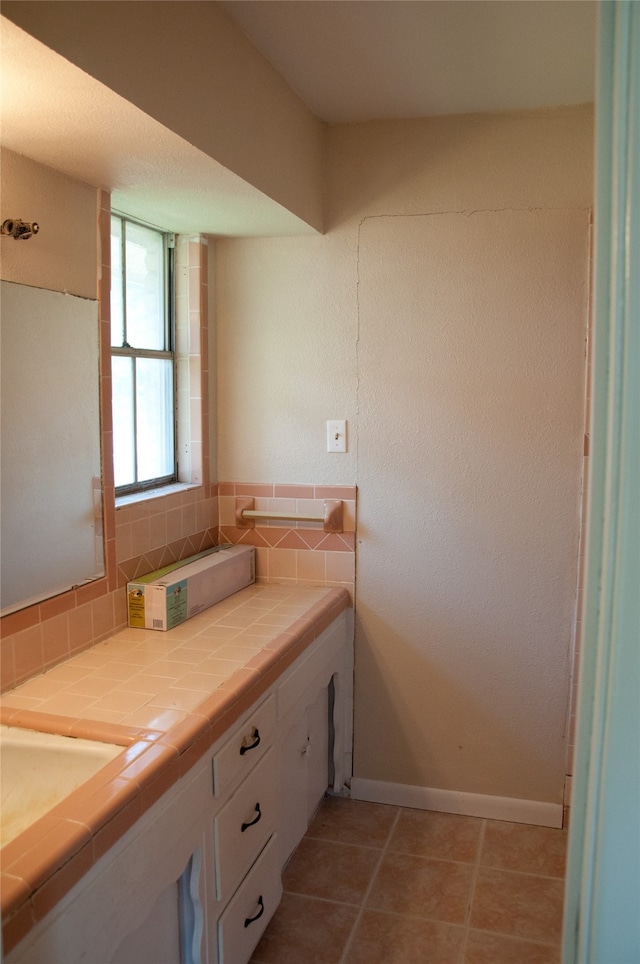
x,y
244,825
247,745
253,905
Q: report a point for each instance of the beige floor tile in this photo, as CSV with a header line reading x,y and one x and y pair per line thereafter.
x,y
389,939
306,931
321,868
353,822
421,887
483,948
420,893
521,905
530,850
443,835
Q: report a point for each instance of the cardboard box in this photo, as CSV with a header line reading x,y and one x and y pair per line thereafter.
x,y
166,597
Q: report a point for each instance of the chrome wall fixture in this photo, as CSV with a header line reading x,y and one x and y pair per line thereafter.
x,y
20,230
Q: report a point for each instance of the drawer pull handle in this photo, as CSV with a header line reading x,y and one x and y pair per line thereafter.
x,y
250,920
252,746
245,826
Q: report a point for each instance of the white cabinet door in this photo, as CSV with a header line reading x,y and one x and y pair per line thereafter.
x,y
172,930
144,902
157,939
317,752
303,767
292,785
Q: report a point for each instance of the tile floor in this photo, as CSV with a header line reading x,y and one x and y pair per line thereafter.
x,y
377,884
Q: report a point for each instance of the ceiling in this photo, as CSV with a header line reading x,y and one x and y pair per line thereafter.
x,y
348,60
55,113
358,60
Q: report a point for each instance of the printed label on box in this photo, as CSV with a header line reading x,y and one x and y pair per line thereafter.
x,y
136,608
165,598
177,604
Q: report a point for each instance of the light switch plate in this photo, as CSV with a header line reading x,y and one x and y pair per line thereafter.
x,y
336,435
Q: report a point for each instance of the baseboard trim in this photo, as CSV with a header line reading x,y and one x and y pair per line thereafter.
x,y
450,801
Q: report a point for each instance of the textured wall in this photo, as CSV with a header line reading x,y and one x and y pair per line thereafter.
x,y
469,473
191,68
454,345
62,257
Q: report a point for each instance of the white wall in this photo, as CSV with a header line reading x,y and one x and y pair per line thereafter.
x,y
454,345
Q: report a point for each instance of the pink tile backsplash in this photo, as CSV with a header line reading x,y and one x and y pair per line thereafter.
x,y
155,532
293,552
144,535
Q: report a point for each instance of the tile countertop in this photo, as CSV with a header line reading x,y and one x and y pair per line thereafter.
x,y
165,698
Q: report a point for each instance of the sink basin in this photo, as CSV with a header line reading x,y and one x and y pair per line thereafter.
x,y
38,770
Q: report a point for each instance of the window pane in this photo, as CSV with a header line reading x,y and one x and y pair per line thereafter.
x,y
155,429
123,423
117,317
145,326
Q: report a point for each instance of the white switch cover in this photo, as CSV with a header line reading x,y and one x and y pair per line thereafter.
x,y
336,436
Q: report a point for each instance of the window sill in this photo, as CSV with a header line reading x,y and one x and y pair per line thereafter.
x,y
134,497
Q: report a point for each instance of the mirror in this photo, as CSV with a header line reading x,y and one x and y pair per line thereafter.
x,y
50,478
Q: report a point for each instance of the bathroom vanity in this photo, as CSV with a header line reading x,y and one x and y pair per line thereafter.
x,y
196,877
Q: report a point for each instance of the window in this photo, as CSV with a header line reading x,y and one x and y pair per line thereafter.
x,y
142,356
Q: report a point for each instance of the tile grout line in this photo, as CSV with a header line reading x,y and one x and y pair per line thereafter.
x,y
365,896
518,938
477,863
472,891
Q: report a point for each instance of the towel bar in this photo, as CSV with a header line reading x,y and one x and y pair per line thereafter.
x,y
332,519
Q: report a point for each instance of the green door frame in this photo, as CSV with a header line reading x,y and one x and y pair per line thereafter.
x,y
602,902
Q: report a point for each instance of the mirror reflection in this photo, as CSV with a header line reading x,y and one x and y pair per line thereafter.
x,y
52,531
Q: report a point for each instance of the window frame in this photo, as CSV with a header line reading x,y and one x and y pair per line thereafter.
x,y
168,352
